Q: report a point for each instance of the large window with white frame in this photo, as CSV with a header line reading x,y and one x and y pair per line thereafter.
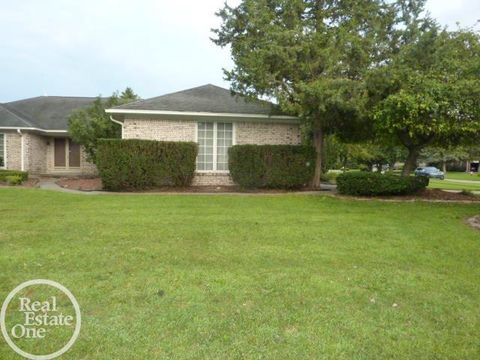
x,y
2,150
214,140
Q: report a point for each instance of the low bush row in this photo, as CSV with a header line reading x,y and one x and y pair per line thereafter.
x,y
360,183
142,164
271,166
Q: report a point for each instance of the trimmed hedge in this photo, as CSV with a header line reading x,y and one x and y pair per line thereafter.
x,y
142,164
374,184
6,173
271,166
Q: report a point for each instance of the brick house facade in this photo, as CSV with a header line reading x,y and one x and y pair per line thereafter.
x,y
185,115
34,132
34,137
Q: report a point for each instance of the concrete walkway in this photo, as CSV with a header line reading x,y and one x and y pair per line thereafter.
x,y
50,184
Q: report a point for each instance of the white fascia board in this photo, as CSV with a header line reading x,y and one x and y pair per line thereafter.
x,y
31,129
204,114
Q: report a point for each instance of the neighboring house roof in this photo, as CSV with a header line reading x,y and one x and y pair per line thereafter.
x,y
203,99
42,113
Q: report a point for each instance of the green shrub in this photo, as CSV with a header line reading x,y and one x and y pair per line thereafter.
x,y
5,173
271,166
142,164
13,180
373,184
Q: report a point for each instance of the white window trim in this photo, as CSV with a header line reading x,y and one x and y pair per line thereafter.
x,y
215,171
4,151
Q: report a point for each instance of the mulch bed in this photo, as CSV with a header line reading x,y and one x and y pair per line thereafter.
x,y
437,194
82,184
428,195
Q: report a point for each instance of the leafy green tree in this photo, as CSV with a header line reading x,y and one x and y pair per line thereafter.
x,y
429,93
376,156
342,155
310,57
88,125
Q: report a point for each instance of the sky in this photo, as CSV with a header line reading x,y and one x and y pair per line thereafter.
x,y
95,47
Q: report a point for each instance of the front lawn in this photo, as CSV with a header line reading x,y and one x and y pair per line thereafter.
x,y
453,185
250,277
462,176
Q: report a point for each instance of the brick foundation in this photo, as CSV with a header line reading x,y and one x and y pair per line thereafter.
x,y
212,179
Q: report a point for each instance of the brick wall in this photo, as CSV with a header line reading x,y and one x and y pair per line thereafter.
x,y
35,156
13,155
181,130
161,130
267,134
212,179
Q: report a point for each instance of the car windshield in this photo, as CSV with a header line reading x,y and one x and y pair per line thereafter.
x,y
431,169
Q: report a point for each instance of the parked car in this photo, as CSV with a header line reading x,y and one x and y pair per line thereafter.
x,y
431,172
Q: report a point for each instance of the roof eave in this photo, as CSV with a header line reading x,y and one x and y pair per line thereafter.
x,y
188,115
44,131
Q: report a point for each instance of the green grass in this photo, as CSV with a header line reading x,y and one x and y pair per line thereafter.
x,y
462,176
251,277
450,185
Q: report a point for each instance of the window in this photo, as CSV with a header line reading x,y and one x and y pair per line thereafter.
x,y
66,152
2,150
214,140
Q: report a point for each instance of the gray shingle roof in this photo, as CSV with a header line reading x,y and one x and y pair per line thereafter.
x,y
10,119
208,98
43,112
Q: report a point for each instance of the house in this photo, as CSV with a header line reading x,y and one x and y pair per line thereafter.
x,y
212,117
35,136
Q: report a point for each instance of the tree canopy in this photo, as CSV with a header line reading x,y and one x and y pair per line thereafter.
x,y
361,70
429,94
88,125
311,56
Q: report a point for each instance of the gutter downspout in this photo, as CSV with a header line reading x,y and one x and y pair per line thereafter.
x,y
22,148
117,122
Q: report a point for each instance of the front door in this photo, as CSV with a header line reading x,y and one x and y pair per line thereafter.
x,y
73,154
66,153
60,152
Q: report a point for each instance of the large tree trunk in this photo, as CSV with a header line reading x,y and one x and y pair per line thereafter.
x,y
318,143
411,162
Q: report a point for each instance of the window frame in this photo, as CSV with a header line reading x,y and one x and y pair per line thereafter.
x,y
215,123
4,146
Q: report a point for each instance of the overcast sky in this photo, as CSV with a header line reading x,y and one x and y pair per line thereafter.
x,y
92,47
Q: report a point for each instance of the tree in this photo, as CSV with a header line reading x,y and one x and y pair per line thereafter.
x,y
88,125
309,56
375,156
429,93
